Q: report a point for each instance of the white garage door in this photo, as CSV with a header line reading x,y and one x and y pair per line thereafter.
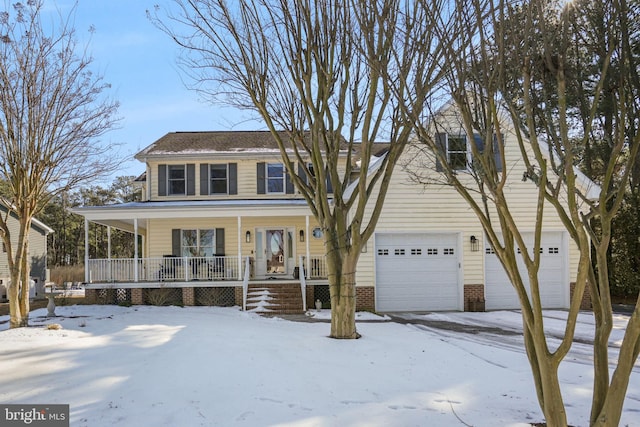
x,y
552,275
417,272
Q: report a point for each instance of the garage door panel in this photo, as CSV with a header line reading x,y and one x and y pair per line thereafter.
x,y
416,272
499,292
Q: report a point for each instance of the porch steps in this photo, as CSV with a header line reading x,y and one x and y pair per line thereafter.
x,y
274,298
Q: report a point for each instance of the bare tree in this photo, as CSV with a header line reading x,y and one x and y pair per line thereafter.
x,y
319,70
51,114
524,63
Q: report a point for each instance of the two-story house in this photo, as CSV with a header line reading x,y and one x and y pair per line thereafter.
x,y
218,210
220,216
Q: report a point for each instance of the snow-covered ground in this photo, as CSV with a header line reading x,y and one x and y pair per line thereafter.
x,y
208,366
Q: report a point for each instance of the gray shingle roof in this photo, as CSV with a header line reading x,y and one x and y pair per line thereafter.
x,y
213,142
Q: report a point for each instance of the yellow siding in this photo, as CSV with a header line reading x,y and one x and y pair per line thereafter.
x,y
411,207
247,177
159,242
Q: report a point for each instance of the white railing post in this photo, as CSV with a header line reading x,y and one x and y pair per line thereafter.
x,y
303,283
135,247
245,283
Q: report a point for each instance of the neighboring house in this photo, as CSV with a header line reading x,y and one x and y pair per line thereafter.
x,y
37,255
220,223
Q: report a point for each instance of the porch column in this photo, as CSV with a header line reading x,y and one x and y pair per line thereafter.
x,y
306,267
135,249
86,251
108,242
240,248
109,250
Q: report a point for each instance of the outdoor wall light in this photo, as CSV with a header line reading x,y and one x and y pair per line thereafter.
x,y
474,243
247,236
302,235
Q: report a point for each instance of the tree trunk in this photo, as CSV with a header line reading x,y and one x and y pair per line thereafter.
x,y
544,368
611,410
342,288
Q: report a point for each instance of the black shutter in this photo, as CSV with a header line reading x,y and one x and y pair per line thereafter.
x,y
219,241
260,181
479,142
204,179
162,180
191,179
233,178
288,184
175,242
496,152
329,185
441,144
302,173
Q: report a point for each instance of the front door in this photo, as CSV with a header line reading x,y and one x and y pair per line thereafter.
x,y
271,253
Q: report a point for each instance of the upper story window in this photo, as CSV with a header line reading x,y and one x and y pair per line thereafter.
x,y
219,179
275,178
176,180
272,178
458,151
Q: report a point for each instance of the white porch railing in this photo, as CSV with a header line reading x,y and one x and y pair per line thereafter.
x,y
166,269
316,267
186,269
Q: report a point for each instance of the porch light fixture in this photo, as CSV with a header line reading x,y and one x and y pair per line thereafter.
x,y
247,236
474,244
302,235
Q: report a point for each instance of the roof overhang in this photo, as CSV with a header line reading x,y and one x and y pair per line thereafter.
x,y
123,216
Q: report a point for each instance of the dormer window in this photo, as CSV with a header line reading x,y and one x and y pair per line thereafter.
x,y
457,152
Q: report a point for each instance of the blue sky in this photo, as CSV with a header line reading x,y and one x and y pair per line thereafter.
x,y
139,61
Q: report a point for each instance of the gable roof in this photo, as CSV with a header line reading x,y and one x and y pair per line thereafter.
x,y
37,225
216,142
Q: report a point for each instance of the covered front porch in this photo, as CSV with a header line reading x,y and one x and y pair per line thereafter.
x,y
203,247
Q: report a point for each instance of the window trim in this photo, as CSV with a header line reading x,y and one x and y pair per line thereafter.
x,y
211,178
449,152
170,191
267,178
198,241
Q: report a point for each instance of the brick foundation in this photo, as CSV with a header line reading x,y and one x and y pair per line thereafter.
x,y
239,292
585,304
188,297
309,295
91,296
365,298
136,296
474,298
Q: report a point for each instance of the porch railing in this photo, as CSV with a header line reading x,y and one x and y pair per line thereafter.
x,y
186,269
169,269
317,267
